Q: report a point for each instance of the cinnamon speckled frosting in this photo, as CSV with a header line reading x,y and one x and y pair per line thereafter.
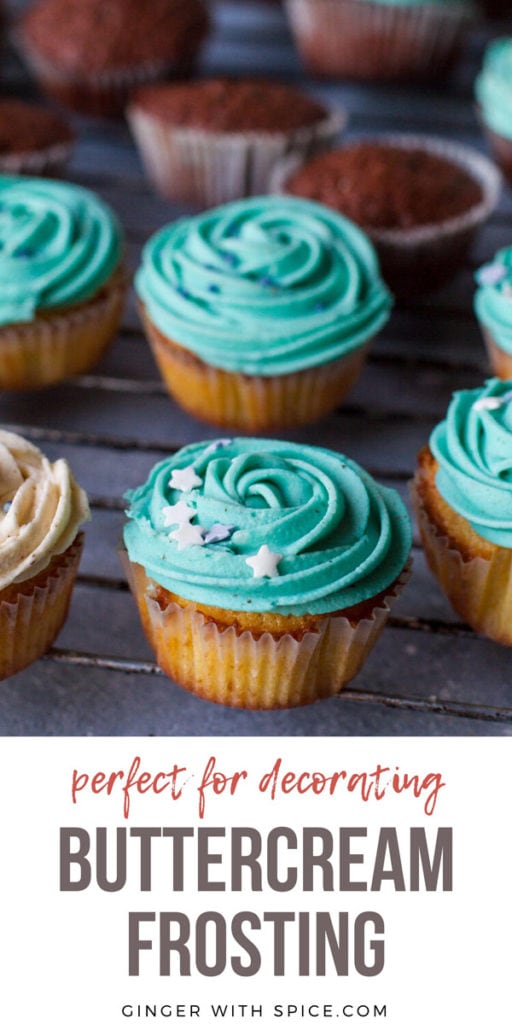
x,y
268,285
262,525
59,244
473,447
41,509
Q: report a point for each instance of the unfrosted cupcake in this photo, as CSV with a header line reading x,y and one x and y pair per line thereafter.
x,y
91,54
263,570
379,39
41,511
214,140
463,497
62,283
420,199
260,313
493,90
493,307
33,140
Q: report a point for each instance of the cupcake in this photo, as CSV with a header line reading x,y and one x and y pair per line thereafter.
x,y
463,497
91,55
33,140
214,140
379,39
493,308
62,282
41,511
419,198
493,90
260,312
263,570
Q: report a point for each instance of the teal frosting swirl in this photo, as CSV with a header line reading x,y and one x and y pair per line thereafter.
x,y
342,537
493,87
493,298
58,245
473,446
265,286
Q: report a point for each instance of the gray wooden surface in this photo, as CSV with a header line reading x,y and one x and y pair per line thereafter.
x,y
429,675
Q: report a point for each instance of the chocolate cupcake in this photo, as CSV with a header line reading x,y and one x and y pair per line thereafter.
x,y
89,56
379,39
33,140
211,141
420,199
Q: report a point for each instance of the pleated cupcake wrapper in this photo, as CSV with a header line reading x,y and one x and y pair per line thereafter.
x,y
479,589
416,255
55,346
210,168
364,40
49,160
252,403
103,92
262,672
30,623
500,360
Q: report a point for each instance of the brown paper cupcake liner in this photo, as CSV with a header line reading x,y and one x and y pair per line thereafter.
x,y
32,614
364,40
58,344
258,672
42,162
207,168
479,589
501,361
425,257
252,403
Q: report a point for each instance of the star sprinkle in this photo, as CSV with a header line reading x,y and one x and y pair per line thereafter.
x,y
188,536
184,479
222,442
217,533
264,563
491,273
493,402
177,514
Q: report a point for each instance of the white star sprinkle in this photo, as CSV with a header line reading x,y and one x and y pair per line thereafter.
x,y
215,445
493,402
264,563
185,479
176,514
188,536
491,274
218,532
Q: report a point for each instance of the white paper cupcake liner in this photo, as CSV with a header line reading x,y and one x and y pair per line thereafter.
x,y
210,168
364,40
29,622
242,669
428,255
479,589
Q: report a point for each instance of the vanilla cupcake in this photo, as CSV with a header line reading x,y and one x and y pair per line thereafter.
x,y
260,312
263,570
62,282
493,308
41,511
463,497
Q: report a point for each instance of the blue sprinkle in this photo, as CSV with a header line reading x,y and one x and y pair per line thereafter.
x,y
230,258
268,281
183,292
320,306
24,253
233,232
213,288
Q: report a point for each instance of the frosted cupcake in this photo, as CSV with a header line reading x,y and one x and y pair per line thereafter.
x,y
379,39
263,570
41,511
463,497
260,313
493,90
493,307
62,283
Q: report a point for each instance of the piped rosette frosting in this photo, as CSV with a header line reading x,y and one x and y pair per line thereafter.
x,y
473,447
266,286
261,525
59,244
41,509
